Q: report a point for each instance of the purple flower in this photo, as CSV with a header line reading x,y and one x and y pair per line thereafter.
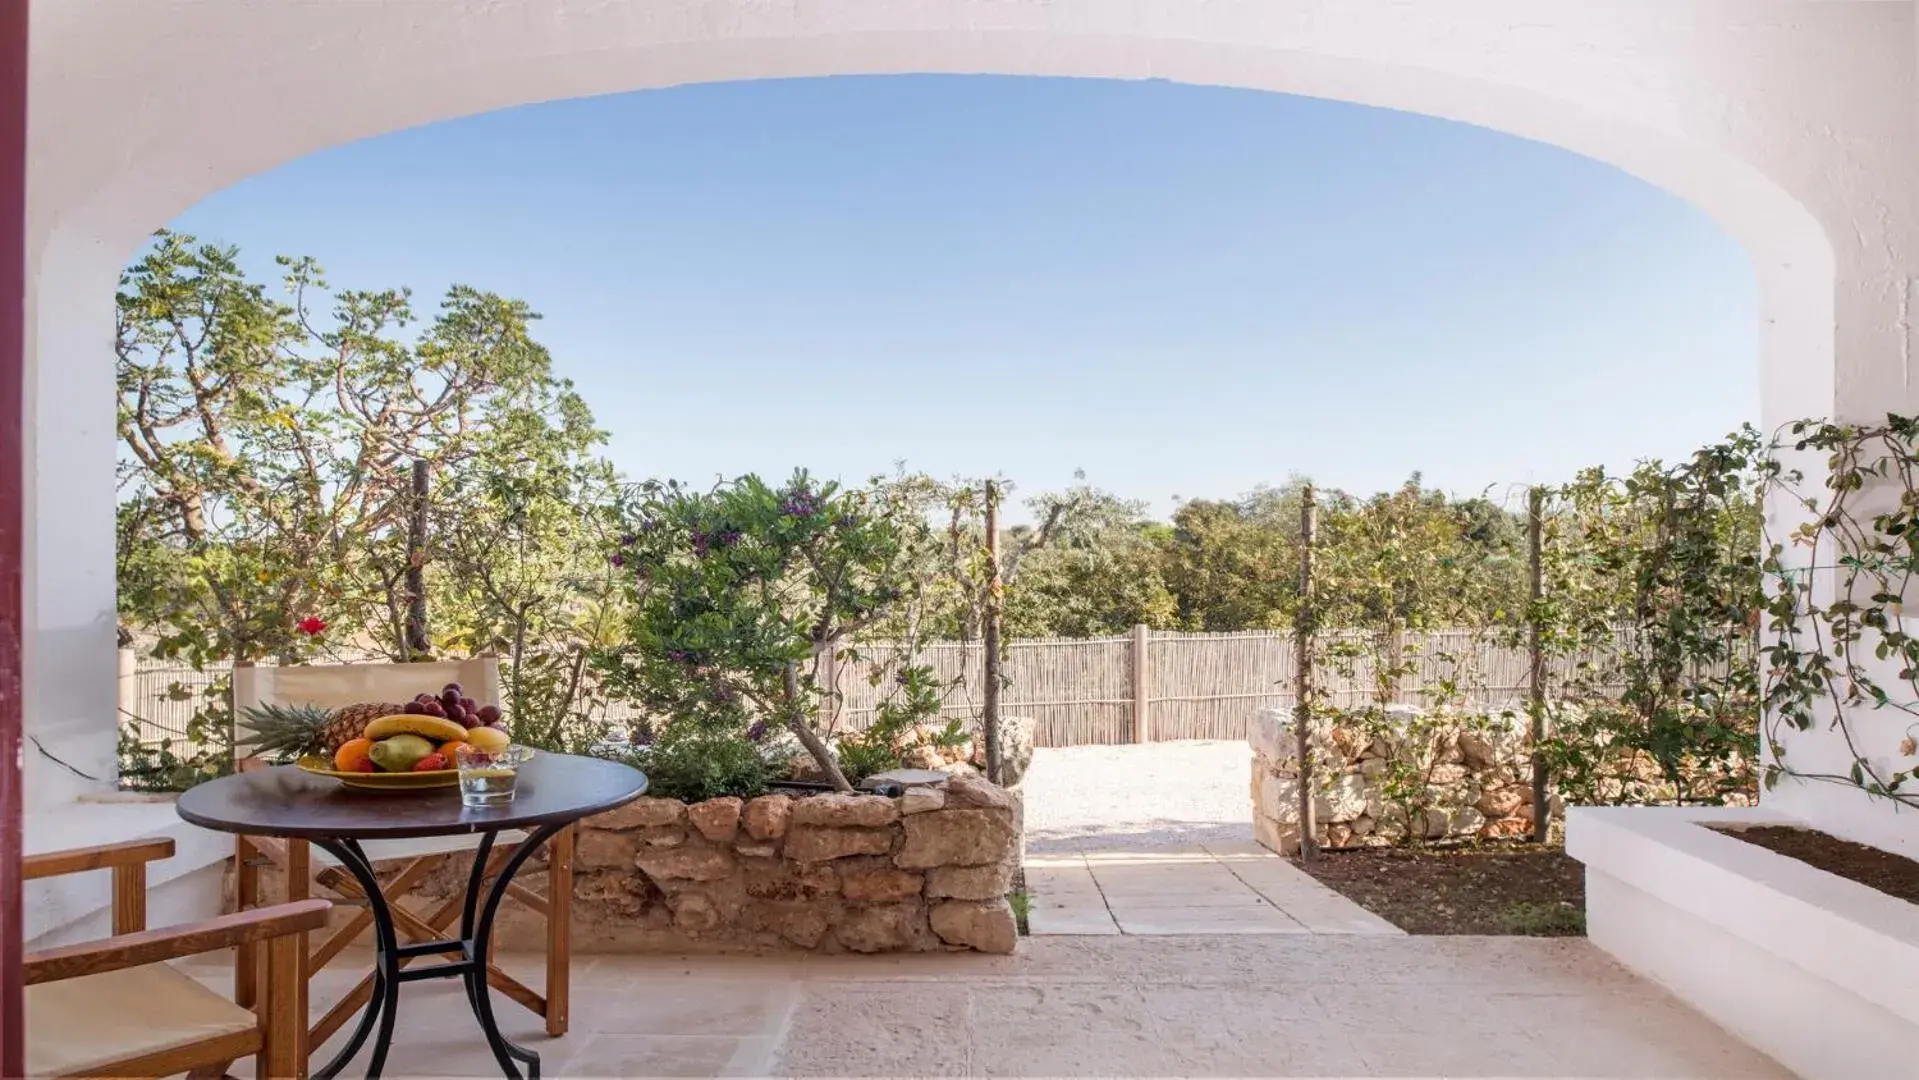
x,y
619,560
900,678
676,656
629,540
756,733
729,538
699,543
800,504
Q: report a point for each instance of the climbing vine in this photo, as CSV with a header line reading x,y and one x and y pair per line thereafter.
x,y
1836,582
1649,614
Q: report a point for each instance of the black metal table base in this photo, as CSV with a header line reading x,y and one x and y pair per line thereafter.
x,y
473,946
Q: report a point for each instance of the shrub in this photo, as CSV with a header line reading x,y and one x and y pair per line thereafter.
x,y
698,766
736,595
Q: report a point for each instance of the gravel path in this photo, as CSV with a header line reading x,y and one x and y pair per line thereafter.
x,y
1156,795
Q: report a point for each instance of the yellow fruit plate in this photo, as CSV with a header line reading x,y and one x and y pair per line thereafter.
x,y
381,781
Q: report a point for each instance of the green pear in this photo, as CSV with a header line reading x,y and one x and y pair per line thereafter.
x,y
399,753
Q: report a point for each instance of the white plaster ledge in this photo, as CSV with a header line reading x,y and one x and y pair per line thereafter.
x,y
74,906
1852,936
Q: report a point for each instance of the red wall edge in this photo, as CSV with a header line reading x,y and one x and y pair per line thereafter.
x,y
13,311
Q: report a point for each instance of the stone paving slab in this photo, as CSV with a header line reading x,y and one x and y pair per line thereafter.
x,y
1291,1005
1223,887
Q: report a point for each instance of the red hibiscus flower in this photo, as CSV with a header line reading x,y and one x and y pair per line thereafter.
x,y
311,625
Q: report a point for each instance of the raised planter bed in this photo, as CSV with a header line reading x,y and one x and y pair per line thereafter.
x,y
926,871
1819,972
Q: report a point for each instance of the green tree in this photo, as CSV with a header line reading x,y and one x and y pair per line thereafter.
x,y
268,444
521,549
1234,565
1100,576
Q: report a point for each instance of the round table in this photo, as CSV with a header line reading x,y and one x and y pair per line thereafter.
x,y
552,792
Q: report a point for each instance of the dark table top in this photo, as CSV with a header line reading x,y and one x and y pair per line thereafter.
x,y
284,801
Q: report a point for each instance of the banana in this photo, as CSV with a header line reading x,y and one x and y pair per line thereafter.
x,y
435,728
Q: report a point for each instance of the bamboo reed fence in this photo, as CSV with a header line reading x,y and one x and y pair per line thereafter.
x,y
1147,686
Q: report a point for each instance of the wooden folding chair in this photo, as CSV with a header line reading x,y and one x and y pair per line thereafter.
x,y
115,1008
346,684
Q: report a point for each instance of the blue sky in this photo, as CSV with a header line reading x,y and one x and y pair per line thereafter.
x,y
1183,291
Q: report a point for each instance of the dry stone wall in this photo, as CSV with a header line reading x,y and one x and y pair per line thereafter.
x,y
1434,780
924,872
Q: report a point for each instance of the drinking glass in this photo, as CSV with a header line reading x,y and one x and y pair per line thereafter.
x,y
487,777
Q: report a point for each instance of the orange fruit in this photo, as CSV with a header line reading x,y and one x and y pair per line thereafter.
x,y
449,748
352,754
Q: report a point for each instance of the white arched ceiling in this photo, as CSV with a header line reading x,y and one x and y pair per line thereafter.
x,y
1788,121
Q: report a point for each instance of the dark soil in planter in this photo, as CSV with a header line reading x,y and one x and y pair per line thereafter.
x,y
1891,874
1478,889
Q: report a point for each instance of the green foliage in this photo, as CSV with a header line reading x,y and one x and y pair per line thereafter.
x,y
1841,655
166,767
697,765
269,444
267,449
1235,566
1022,905
880,746
737,593
1413,560
205,750
1669,708
519,546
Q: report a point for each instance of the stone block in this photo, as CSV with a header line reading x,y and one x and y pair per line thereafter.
x,y
716,819
1344,799
878,881
641,813
766,817
693,913
841,811
600,848
977,792
689,863
988,927
957,838
807,843
883,928
919,800
969,882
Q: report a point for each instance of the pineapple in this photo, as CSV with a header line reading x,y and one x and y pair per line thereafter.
x,y
289,732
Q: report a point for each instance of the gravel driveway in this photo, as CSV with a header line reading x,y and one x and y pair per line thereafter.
x,y
1155,795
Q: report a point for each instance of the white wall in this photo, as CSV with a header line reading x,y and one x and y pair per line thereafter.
x,y
1790,121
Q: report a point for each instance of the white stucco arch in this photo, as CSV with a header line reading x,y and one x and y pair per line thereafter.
x,y
1789,121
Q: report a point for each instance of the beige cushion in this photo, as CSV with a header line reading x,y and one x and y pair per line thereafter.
x,y
334,685
77,1025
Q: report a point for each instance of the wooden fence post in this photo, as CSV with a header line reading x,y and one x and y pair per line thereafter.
x,y
1142,684
1536,655
128,696
1303,689
989,634
828,674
